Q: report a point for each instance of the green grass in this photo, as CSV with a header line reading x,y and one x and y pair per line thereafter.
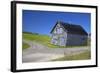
x,y
82,56
43,39
25,46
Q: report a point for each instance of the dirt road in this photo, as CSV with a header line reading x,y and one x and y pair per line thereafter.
x,y
40,53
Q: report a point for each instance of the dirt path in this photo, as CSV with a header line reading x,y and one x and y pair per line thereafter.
x,y
40,53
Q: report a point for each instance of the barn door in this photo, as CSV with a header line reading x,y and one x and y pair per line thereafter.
x,y
62,41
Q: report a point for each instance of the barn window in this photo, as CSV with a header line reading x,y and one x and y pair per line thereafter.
x,y
59,30
54,41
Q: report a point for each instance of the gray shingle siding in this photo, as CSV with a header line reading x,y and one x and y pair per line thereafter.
x,y
67,34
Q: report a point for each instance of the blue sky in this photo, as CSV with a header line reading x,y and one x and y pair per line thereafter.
x,y
42,22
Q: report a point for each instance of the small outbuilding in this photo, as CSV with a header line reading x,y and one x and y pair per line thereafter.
x,y
65,34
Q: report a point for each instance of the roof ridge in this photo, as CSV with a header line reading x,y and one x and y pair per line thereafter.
x,y
68,23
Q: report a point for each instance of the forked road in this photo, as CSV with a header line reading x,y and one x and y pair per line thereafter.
x,y
40,53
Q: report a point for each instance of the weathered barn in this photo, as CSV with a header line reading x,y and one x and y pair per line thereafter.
x,y
64,34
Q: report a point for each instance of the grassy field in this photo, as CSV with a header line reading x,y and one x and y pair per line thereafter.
x,y
82,56
25,46
42,39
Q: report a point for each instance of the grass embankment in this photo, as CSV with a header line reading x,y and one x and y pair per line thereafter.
x,y
25,46
42,39
82,56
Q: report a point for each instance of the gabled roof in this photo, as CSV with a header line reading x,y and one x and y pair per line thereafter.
x,y
71,28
